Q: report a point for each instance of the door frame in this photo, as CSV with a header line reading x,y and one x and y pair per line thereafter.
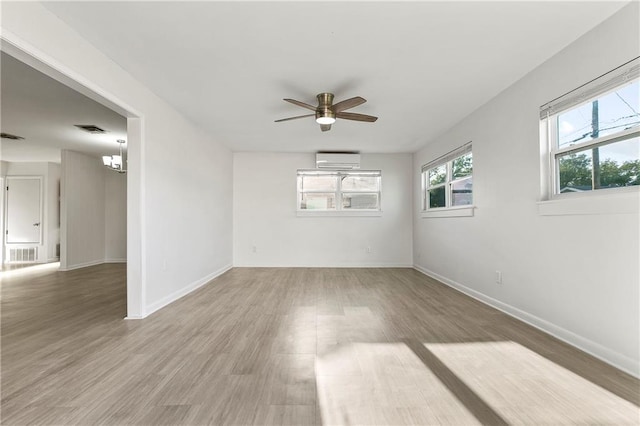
x,y
136,208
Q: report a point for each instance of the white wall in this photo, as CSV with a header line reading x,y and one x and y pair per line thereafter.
x,y
82,215
575,276
264,194
93,213
179,202
115,216
189,219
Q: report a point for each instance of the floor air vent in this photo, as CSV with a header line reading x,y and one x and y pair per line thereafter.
x,y
23,254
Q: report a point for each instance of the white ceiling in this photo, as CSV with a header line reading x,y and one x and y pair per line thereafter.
x,y
422,66
44,112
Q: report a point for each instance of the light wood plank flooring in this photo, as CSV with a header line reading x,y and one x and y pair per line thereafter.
x,y
295,346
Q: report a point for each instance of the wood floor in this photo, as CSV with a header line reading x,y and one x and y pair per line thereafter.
x,y
292,346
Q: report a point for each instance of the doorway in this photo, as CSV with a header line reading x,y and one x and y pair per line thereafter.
x,y
17,49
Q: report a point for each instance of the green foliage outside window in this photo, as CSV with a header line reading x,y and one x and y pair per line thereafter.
x,y
576,173
462,166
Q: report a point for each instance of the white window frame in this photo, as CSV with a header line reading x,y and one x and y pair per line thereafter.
x,y
338,211
449,210
551,200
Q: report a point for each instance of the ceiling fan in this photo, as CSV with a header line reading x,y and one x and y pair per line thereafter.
x,y
326,112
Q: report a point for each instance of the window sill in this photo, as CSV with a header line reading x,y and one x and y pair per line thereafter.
x,y
341,213
624,202
466,211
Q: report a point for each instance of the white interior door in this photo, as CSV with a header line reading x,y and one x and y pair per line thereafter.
x,y
24,210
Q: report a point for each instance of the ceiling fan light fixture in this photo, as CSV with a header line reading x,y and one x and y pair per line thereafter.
x,y
325,120
324,115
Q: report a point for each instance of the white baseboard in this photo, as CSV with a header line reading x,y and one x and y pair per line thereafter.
x,y
82,265
357,265
184,291
603,353
134,317
92,263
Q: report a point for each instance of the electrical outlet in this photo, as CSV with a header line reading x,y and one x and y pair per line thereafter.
x,y
254,249
498,277
368,249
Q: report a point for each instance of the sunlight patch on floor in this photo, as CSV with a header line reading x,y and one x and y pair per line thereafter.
x,y
25,271
523,387
393,383
383,383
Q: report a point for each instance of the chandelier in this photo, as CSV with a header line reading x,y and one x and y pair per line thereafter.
x,y
116,162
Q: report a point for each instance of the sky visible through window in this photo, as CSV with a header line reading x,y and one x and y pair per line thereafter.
x,y
617,111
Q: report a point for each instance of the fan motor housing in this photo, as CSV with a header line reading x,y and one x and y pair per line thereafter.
x,y
325,100
325,112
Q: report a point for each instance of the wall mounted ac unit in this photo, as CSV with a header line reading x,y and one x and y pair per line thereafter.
x,y
341,161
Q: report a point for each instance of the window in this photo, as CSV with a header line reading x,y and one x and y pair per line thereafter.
x,y
593,135
339,191
448,181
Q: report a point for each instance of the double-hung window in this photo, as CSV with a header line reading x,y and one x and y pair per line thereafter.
x,y
447,182
592,135
339,191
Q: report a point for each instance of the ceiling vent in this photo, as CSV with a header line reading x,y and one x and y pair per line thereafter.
x,y
91,128
340,161
10,136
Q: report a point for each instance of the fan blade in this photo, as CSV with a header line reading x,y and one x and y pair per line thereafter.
x,y
348,103
295,118
325,127
356,117
302,104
